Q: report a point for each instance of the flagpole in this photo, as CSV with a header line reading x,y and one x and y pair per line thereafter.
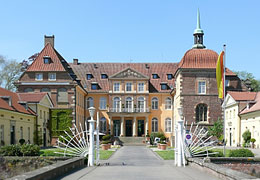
x,y
224,95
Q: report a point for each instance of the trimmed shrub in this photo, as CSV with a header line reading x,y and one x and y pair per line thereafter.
x,y
11,150
246,136
18,150
21,141
218,154
252,140
241,153
30,150
107,137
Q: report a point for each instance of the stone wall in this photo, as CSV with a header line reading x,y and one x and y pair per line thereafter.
x,y
12,166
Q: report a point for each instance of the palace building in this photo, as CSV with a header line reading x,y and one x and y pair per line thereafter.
x,y
133,99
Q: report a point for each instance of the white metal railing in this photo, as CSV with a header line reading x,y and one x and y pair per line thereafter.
x,y
129,110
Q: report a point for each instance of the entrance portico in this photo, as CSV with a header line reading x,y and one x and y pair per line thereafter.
x,y
129,126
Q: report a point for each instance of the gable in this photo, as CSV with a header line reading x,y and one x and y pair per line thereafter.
x,y
229,101
46,101
55,60
128,73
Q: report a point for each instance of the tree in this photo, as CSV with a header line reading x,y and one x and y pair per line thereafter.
x,y
10,71
250,80
217,129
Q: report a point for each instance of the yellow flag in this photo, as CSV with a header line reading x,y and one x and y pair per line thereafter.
x,y
220,75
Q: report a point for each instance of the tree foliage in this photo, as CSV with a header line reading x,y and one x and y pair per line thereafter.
x,y
217,129
10,71
254,84
246,136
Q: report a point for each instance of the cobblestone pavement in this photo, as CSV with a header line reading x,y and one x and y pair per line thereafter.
x,y
138,162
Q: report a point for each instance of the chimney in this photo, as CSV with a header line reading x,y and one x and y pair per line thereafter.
x,y
75,61
49,39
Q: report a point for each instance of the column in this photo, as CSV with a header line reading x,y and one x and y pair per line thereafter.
x,y
146,125
111,125
122,127
134,127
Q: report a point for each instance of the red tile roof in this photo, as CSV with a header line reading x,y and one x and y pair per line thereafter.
x,y
199,58
242,96
32,97
55,65
15,106
255,107
162,69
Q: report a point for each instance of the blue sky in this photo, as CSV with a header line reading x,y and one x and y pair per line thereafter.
x,y
136,30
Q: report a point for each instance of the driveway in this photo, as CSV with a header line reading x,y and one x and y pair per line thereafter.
x,y
138,162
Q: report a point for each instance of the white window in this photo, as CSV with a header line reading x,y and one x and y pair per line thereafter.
x,y
168,125
168,103
102,103
116,87
128,86
62,95
116,104
90,102
38,76
202,87
227,82
140,104
154,125
141,87
103,124
52,76
154,103
128,104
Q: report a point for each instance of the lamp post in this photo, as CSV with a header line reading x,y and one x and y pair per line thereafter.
x,y
179,140
91,136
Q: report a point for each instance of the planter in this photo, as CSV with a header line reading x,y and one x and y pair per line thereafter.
x,y
158,146
109,145
105,146
163,146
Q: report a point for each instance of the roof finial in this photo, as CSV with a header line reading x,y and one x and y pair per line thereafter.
x,y
198,34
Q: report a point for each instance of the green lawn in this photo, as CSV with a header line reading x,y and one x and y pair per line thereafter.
x,y
221,151
51,152
166,155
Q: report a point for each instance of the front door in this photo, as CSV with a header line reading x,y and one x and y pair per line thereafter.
x,y
140,127
116,128
128,128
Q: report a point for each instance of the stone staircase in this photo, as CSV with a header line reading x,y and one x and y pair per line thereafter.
x,y
132,141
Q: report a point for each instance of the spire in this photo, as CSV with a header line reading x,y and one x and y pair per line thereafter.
x,y
198,34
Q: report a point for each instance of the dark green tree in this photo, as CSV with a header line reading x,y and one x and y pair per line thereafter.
x,y
217,129
249,79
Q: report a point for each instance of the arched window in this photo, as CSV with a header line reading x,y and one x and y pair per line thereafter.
x,y
28,90
168,103
116,104
102,103
140,104
62,95
45,90
154,103
103,125
90,102
154,125
168,125
128,104
201,113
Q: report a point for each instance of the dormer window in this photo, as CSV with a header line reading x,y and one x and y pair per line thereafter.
x,y
104,76
164,86
46,60
169,76
38,76
94,86
52,76
155,76
89,76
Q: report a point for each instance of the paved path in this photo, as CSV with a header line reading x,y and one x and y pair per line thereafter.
x,y
138,162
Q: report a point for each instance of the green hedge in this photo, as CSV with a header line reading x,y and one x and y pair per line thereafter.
x,y
20,150
241,153
61,119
